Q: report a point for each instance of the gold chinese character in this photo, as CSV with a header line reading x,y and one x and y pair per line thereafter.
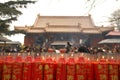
x,y
110,67
49,77
4,68
25,69
77,67
14,77
80,77
7,77
46,67
40,67
99,66
103,77
70,77
114,77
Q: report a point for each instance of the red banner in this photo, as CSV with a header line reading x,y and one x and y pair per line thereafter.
x,y
1,68
27,68
61,69
37,69
7,71
89,71
81,71
49,67
7,68
101,71
119,71
49,71
17,69
113,71
70,69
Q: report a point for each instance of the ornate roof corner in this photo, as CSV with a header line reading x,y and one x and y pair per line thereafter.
x,y
89,15
107,28
38,15
36,20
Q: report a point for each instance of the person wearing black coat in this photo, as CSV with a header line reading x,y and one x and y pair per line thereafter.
x,y
83,49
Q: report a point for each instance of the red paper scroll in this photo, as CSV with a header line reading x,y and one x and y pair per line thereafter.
x,y
27,68
7,68
80,69
49,69
61,69
37,69
89,70
101,71
71,69
1,67
17,69
113,69
119,70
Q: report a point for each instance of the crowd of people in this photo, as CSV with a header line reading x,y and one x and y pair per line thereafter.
x,y
68,49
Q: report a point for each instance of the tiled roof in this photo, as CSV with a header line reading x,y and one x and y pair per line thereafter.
x,y
83,21
63,28
109,41
113,33
106,28
62,24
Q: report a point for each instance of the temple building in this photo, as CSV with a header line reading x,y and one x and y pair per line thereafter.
x,y
76,29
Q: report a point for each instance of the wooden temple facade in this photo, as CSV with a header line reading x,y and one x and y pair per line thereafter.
x,y
76,29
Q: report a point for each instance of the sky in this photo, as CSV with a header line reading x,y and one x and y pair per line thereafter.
x,y
100,12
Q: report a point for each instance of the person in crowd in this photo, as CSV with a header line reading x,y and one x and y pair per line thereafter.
x,y
68,47
83,49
